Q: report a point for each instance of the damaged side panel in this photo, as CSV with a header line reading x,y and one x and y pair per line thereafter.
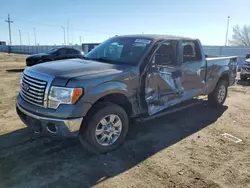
x,y
164,89
167,85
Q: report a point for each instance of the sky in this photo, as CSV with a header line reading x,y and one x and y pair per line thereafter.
x,y
97,20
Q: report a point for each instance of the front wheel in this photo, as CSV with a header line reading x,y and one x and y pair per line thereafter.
x,y
106,128
219,95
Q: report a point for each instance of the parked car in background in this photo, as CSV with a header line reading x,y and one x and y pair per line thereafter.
x,y
245,69
54,54
134,76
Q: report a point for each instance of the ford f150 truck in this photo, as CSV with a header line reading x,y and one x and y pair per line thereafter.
x,y
122,78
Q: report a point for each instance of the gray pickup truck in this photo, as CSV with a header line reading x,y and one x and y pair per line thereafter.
x,y
125,77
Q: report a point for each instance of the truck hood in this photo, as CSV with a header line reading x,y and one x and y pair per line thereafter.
x,y
71,68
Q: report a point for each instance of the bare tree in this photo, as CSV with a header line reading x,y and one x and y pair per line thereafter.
x,y
241,36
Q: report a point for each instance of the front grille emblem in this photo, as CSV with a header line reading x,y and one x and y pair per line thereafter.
x,y
25,86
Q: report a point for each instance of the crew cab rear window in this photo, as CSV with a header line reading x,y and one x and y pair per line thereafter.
x,y
191,51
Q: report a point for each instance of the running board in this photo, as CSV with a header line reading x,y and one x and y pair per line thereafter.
x,y
174,109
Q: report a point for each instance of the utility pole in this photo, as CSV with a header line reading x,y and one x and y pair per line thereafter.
x,y
35,35
64,35
29,38
20,35
228,18
9,22
72,36
80,39
68,32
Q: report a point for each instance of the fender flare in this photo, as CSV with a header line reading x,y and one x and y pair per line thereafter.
x,y
223,72
113,87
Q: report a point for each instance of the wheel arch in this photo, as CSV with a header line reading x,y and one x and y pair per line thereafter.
x,y
117,98
224,76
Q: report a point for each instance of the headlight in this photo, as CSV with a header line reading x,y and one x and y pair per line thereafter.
x,y
62,95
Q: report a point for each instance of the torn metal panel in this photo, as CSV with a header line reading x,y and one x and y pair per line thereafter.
x,y
165,87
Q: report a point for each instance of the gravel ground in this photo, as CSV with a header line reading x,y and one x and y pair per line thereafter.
x,y
185,149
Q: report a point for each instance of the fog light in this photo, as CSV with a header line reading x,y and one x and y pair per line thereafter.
x,y
52,128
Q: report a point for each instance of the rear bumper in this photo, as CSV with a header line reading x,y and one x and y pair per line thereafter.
x,y
47,125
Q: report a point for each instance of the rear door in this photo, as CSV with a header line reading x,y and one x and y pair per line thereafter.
x,y
193,68
172,77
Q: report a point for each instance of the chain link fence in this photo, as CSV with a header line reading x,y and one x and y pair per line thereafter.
x,y
239,51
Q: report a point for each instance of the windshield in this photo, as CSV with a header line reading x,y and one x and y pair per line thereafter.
x,y
120,50
51,51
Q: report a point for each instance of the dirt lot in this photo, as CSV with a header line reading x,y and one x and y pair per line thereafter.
x,y
185,149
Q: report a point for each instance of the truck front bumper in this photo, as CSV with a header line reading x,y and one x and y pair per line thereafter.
x,y
47,125
245,72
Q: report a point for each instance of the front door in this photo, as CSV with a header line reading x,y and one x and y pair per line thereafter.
x,y
172,79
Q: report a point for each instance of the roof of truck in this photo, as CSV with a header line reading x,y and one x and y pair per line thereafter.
x,y
157,37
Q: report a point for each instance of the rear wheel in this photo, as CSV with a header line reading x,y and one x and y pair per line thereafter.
x,y
219,95
106,128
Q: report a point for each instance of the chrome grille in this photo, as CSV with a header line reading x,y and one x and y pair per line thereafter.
x,y
33,90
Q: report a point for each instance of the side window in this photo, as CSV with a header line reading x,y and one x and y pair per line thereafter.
x,y
62,51
166,54
191,51
71,51
149,56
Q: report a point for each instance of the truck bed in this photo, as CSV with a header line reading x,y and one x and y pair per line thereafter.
x,y
208,58
216,66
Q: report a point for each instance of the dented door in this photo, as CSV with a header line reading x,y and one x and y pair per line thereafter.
x,y
171,81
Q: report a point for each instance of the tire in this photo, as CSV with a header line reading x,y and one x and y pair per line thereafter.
x,y
88,134
219,95
243,78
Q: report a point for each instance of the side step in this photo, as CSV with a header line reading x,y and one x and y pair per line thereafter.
x,y
173,109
